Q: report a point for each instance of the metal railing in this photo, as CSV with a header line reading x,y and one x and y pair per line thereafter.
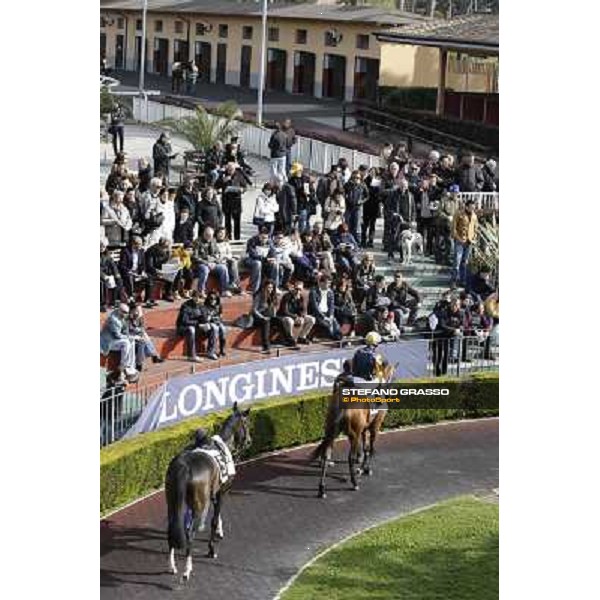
x,y
459,357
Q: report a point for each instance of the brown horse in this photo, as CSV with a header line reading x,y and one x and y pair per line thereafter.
x,y
193,483
355,423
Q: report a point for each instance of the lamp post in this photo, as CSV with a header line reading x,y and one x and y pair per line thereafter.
x,y
261,68
143,49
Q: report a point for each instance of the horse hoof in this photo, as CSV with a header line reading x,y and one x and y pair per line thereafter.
x,y
211,554
219,536
321,494
368,472
355,487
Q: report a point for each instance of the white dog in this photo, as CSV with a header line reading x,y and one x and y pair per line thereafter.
x,y
412,241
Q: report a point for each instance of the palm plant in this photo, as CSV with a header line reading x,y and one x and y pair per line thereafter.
x,y
202,130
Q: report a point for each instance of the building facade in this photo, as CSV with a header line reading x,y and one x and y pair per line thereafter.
x,y
321,51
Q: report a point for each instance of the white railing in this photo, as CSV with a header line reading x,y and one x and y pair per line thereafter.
x,y
315,155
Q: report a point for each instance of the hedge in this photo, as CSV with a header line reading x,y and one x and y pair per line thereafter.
x,y
132,468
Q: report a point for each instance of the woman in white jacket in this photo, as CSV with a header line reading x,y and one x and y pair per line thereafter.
x,y
166,207
265,209
334,208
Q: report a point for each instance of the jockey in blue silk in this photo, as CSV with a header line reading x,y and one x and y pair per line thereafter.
x,y
366,359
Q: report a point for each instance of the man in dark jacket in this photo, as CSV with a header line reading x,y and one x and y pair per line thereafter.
x,y
117,127
404,300
186,197
188,320
208,212
232,184
390,194
357,194
110,278
305,195
184,229
288,205
156,256
321,306
215,159
377,295
162,153
470,178
290,143
132,266
260,259
278,146
449,328
292,312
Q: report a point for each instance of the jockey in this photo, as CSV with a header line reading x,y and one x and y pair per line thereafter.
x,y
365,360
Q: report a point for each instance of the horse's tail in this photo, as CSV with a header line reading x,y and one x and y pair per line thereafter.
x,y
331,431
178,475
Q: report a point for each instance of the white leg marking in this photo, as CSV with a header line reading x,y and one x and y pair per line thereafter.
x,y
172,564
220,527
188,567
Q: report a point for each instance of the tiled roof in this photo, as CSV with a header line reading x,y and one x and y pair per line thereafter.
x,y
475,31
321,12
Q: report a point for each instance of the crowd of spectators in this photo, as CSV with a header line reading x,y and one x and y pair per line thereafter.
x,y
313,233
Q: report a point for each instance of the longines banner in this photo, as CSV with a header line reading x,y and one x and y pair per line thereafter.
x,y
210,391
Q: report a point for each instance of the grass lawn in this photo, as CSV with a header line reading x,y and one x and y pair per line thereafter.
x,y
448,552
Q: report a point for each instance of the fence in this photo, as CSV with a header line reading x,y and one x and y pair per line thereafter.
x,y
458,357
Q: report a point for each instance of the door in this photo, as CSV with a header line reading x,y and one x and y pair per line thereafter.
x,y
102,45
334,76
181,50
245,66
304,73
221,63
120,52
276,62
366,79
138,53
202,57
161,56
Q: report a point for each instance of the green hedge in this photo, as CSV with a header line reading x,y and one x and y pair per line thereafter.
x,y
131,468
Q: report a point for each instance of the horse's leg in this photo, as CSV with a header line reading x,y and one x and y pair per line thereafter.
x,y
353,438
373,432
190,533
220,527
172,564
212,544
322,493
365,461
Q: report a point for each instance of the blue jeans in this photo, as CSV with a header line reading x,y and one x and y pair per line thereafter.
x,y
144,348
303,220
462,252
204,271
353,217
256,268
214,331
278,168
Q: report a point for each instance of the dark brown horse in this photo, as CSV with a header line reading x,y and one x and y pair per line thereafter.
x,y
355,423
193,483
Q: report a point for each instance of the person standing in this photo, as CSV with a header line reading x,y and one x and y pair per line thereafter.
x,y
291,142
357,194
208,210
287,214
278,146
192,78
162,153
265,209
464,230
117,127
232,184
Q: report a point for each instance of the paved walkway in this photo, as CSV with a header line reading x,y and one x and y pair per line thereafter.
x,y
274,523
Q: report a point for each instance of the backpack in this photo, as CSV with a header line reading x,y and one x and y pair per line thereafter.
x,y
363,363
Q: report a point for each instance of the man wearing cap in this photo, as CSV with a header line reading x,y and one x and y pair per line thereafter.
x,y
464,230
114,336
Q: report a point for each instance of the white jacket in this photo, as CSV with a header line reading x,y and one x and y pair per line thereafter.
x,y
335,213
266,207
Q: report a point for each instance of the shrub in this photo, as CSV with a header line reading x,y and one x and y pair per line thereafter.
x,y
131,468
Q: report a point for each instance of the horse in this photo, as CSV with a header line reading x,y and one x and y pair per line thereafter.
x,y
355,423
193,483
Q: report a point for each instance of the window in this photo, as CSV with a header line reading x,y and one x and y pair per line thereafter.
x,y
120,23
223,31
273,34
178,26
201,29
247,32
158,26
138,24
301,36
362,41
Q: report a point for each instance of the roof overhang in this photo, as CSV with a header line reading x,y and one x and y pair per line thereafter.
x,y
445,43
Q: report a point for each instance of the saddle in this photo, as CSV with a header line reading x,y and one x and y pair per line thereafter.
x,y
221,454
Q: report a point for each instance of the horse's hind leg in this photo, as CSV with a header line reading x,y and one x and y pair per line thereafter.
x,y
351,460
322,493
172,563
212,544
365,451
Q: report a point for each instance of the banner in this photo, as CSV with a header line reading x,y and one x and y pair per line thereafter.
x,y
210,391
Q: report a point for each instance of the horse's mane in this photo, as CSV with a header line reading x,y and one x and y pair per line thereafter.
x,y
227,427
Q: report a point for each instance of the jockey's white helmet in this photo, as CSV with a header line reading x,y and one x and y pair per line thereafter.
x,y
372,339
